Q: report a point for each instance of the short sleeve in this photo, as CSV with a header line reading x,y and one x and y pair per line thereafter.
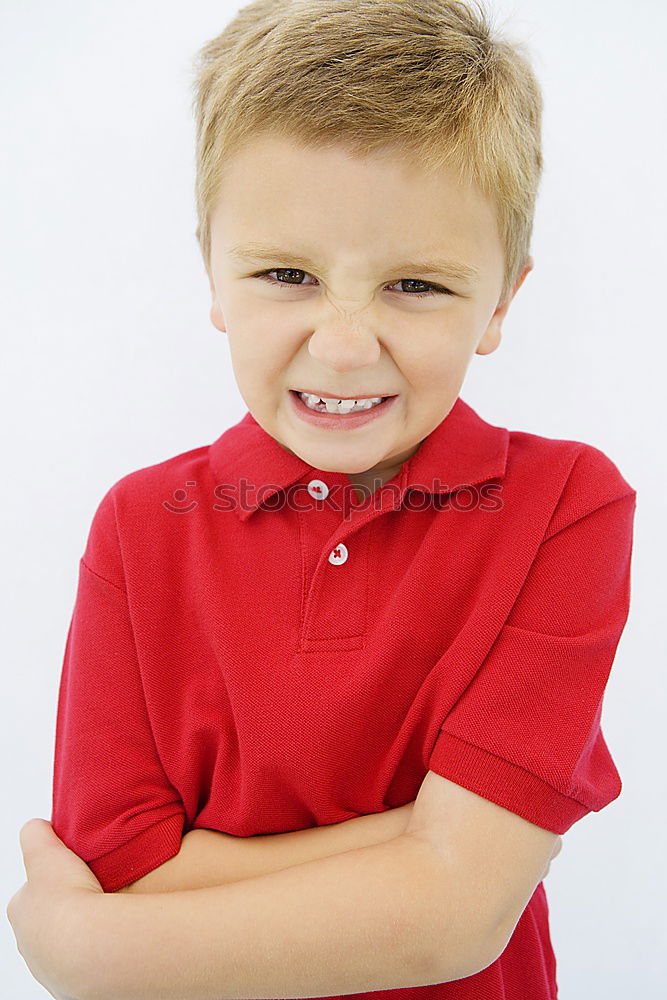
x,y
112,802
526,732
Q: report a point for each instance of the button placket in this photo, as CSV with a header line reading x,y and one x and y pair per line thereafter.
x,y
336,599
335,612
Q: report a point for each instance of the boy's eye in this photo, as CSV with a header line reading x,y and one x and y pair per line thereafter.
x,y
295,271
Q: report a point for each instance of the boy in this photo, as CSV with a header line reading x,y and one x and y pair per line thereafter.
x,y
341,608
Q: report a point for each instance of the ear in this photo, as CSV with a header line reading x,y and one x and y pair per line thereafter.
x,y
493,334
217,318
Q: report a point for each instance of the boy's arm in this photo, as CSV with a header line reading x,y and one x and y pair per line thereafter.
x,y
208,858
388,916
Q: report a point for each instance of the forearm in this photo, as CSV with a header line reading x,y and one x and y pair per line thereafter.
x,y
360,921
209,858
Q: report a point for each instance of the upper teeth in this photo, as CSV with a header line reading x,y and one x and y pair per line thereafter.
x,y
339,405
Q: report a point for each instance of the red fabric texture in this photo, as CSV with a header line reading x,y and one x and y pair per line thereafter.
x,y
221,672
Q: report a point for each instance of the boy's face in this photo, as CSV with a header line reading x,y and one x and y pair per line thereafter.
x,y
342,314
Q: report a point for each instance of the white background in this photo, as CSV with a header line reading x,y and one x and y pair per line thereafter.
x,y
111,363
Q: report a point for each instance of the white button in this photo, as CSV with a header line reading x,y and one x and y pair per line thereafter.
x,y
318,489
338,556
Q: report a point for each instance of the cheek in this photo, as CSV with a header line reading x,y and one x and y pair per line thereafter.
x,y
428,355
438,374
261,338
262,360
271,327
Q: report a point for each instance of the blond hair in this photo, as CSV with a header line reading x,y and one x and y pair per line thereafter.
x,y
426,78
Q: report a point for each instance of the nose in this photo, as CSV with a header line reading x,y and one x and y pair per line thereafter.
x,y
344,340
342,347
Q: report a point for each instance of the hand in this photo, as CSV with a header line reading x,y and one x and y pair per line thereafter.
x,y
44,910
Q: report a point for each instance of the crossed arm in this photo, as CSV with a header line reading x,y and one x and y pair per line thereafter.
x,y
209,858
352,907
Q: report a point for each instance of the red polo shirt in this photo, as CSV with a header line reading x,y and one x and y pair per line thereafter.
x,y
254,650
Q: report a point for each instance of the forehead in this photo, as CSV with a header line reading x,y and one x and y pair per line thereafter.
x,y
276,190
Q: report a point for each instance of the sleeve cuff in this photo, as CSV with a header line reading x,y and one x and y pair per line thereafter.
x,y
504,783
139,856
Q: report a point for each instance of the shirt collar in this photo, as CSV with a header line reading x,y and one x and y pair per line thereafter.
x,y
462,450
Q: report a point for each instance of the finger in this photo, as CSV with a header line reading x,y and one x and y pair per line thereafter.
x,y
38,842
27,835
48,859
34,827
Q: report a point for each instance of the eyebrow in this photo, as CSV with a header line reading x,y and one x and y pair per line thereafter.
x,y
262,252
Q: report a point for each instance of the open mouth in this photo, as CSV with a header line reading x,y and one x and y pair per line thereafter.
x,y
314,411
343,407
